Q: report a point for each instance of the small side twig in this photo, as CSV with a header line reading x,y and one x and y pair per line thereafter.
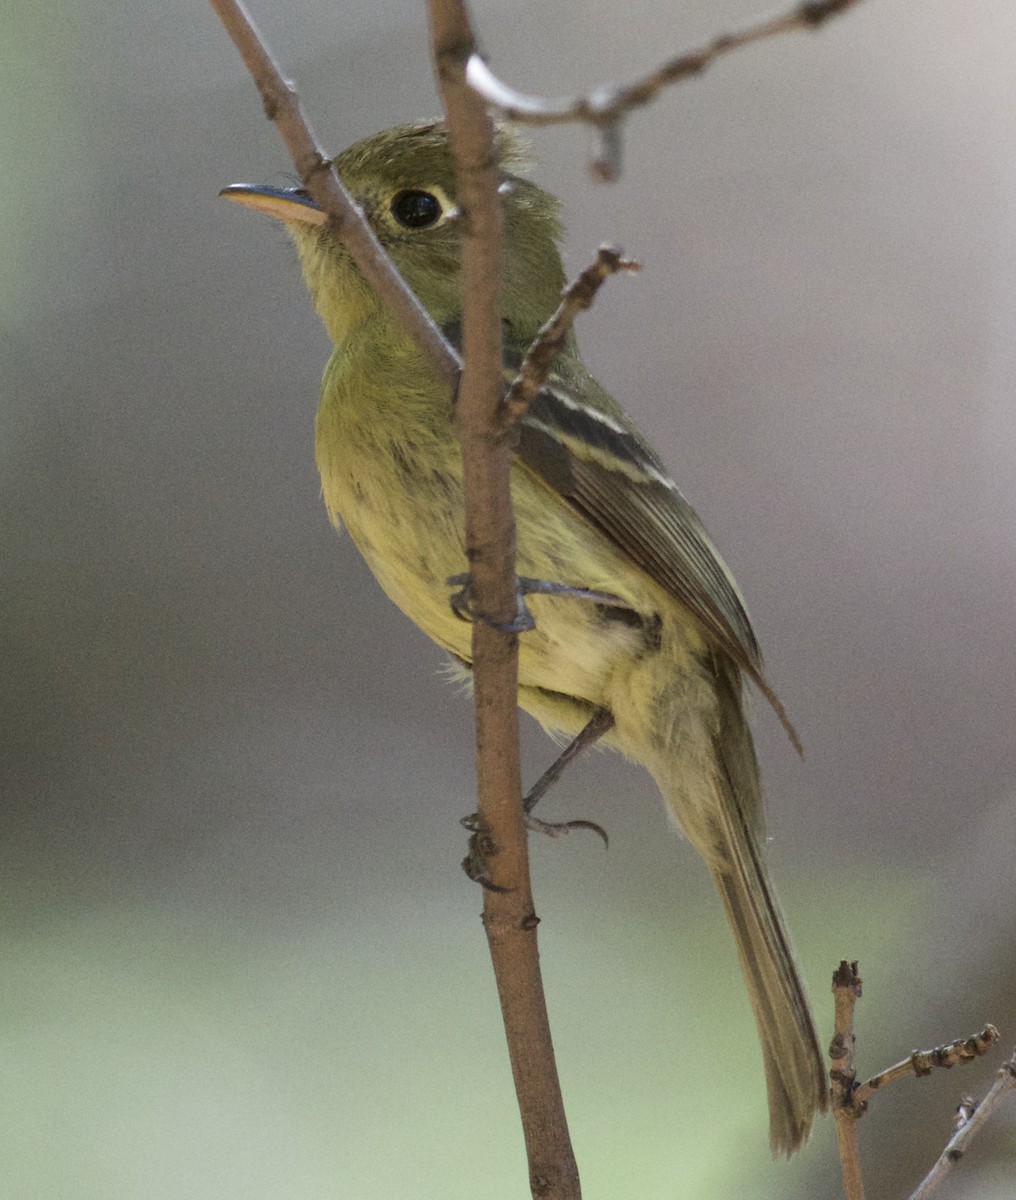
x,y
576,298
971,1119
850,1099
923,1062
317,173
846,993
606,106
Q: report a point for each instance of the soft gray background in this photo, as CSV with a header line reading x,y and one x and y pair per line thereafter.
x,y
239,957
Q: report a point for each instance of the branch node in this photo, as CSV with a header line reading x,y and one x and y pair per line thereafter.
x,y
964,1111
846,976
451,58
838,1047
606,167
318,165
815,12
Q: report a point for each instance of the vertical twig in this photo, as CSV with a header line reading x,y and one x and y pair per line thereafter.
x,y
508,914
846,992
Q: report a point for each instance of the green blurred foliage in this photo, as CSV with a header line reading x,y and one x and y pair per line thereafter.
x,y
151,1053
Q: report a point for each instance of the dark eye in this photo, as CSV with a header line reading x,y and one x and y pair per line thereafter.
x,y
416,210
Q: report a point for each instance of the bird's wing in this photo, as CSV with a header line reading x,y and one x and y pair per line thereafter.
x,y
595,459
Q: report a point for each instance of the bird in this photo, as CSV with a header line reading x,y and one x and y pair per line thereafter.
x,y
656,657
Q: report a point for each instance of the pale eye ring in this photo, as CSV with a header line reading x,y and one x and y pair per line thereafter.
x,y
415,208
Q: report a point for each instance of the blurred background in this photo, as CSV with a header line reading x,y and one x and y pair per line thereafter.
x,y
239,956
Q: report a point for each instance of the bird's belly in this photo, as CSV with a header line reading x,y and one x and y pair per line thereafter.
x,y
406,519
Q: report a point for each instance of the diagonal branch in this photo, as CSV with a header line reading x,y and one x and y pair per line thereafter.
x,y
318,175
606,106
969,1124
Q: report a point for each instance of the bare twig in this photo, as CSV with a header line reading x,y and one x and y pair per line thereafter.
x,y
850,1099
971,1120
577,297
282,105
846,993
923,1062
508,912
606,106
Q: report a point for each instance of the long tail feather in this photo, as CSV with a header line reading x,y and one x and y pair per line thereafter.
x,y
720,808
795,1075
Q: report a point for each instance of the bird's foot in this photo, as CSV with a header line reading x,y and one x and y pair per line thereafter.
x,y
481,848
462,600
476,864
462,606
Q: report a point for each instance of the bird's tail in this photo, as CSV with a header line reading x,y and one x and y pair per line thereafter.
x,y
795,1075
727,831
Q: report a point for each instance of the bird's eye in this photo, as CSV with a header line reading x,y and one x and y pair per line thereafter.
x,y
415,209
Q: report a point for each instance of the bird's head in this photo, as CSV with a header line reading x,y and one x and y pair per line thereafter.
x,y
403,179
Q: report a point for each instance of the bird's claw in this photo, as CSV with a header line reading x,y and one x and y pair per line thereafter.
x,y
556,829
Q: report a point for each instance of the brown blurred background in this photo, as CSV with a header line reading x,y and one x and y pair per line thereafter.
x,y
239,956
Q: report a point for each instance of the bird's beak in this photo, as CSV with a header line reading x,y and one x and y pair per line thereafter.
x,y
292,205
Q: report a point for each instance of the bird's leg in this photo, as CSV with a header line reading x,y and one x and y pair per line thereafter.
x,y
593,730
475,862
462,600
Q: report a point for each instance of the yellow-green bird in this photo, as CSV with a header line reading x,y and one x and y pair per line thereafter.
x,y
595,510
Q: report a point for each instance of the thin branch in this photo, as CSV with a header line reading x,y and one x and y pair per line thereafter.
x,y
923,1062
576,298
850,1099
971,1120
846,993
317,173
487,453
606,106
